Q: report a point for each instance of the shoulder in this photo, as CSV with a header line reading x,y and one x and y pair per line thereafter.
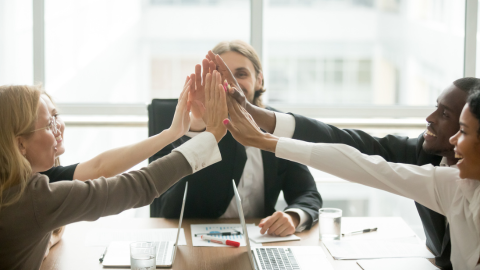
x,y
60,173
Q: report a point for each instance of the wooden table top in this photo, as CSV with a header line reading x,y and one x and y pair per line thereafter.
x,y
71,252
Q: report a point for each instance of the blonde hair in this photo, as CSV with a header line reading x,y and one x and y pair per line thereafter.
x,y
57,159
18,111
249,52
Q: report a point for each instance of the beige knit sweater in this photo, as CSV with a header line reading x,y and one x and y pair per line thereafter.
x,y
26,226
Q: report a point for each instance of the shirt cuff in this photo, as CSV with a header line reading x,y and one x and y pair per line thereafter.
x,y
285,125
294,150
304,218
192,134
201,151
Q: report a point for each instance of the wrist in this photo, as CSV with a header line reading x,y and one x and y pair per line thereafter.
x,y
295,218
197,125
217,133
266,141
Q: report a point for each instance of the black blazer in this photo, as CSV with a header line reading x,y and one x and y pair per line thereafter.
x,y
210,189
393,149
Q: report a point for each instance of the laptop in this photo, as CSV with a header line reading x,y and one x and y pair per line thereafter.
x,y
118,253
265,258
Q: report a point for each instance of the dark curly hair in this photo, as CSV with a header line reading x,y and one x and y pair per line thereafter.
x,y
473,102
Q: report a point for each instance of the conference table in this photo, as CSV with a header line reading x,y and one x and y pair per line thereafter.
x,y
71,252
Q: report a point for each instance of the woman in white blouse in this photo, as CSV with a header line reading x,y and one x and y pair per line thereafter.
x,y
448,191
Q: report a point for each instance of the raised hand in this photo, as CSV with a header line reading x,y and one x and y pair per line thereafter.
x,y
244,129
181,119
216,111
234,91
197,94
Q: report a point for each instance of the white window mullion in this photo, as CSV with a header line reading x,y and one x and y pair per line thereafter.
x,y
39,41
471,15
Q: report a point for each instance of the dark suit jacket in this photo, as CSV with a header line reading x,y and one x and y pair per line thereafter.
x,y
393,149
210,190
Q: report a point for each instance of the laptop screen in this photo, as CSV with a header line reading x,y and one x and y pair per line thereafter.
x,y
180,223
244,227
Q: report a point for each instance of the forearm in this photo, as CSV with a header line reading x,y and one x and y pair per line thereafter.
x,y
115,161
264,118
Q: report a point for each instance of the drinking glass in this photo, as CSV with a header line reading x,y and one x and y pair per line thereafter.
x,y
143,256
330,223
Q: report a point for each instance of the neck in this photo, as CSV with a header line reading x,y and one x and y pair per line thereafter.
x,y
451,161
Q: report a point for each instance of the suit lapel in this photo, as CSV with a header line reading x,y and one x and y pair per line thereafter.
x,y
269,177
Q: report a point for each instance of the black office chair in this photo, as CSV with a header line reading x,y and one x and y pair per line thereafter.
x,y
160,116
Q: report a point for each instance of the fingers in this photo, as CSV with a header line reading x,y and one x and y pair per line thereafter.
x,y
211,56
198,76
208,82
212,66
205,70
269,221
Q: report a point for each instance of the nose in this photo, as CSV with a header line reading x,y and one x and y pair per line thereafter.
x,y
431,118
453,140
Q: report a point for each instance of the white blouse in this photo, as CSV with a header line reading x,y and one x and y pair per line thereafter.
x,y
438,188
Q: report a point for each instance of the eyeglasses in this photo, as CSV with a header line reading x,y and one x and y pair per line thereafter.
x,y
52,125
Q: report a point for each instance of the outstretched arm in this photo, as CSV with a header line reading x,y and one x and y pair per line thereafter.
x,y
115,161
430,186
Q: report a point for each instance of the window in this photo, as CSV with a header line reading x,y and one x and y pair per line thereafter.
x,y
16,45
345,52
132,51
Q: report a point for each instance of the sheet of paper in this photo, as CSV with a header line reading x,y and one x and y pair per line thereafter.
x,y
210,228
397,264
103,236
377,248
255,236
387,228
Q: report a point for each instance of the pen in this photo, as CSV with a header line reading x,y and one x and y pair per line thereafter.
x,y
360,232
221,241
223,233
103,255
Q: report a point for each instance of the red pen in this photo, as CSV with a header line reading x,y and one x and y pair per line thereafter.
x,y
220,241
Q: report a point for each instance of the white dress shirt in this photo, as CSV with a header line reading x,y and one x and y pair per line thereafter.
x,y
201,151
251,189
438,188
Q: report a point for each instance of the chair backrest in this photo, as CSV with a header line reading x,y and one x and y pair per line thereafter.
x,y
160,116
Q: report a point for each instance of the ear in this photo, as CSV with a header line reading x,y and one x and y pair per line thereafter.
x,y
21,142
259,82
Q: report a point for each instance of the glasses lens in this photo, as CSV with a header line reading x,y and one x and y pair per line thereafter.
x,y
54,125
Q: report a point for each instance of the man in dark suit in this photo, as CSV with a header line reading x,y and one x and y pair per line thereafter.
x,y
259,175
431,147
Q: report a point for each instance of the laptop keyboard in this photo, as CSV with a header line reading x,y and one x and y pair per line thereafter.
x,y
162,252
277,259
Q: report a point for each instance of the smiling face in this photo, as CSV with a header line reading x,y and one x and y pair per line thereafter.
x,y
443,123
244,71
40,146
467,145
61,125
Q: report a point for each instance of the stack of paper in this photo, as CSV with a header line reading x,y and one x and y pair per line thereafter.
x,y
397,264
408,247
201,229
255,236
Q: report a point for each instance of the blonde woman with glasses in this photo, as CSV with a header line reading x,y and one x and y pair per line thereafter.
x,y
31,207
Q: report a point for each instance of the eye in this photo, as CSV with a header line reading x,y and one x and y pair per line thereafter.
x,y
445,113
462,131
